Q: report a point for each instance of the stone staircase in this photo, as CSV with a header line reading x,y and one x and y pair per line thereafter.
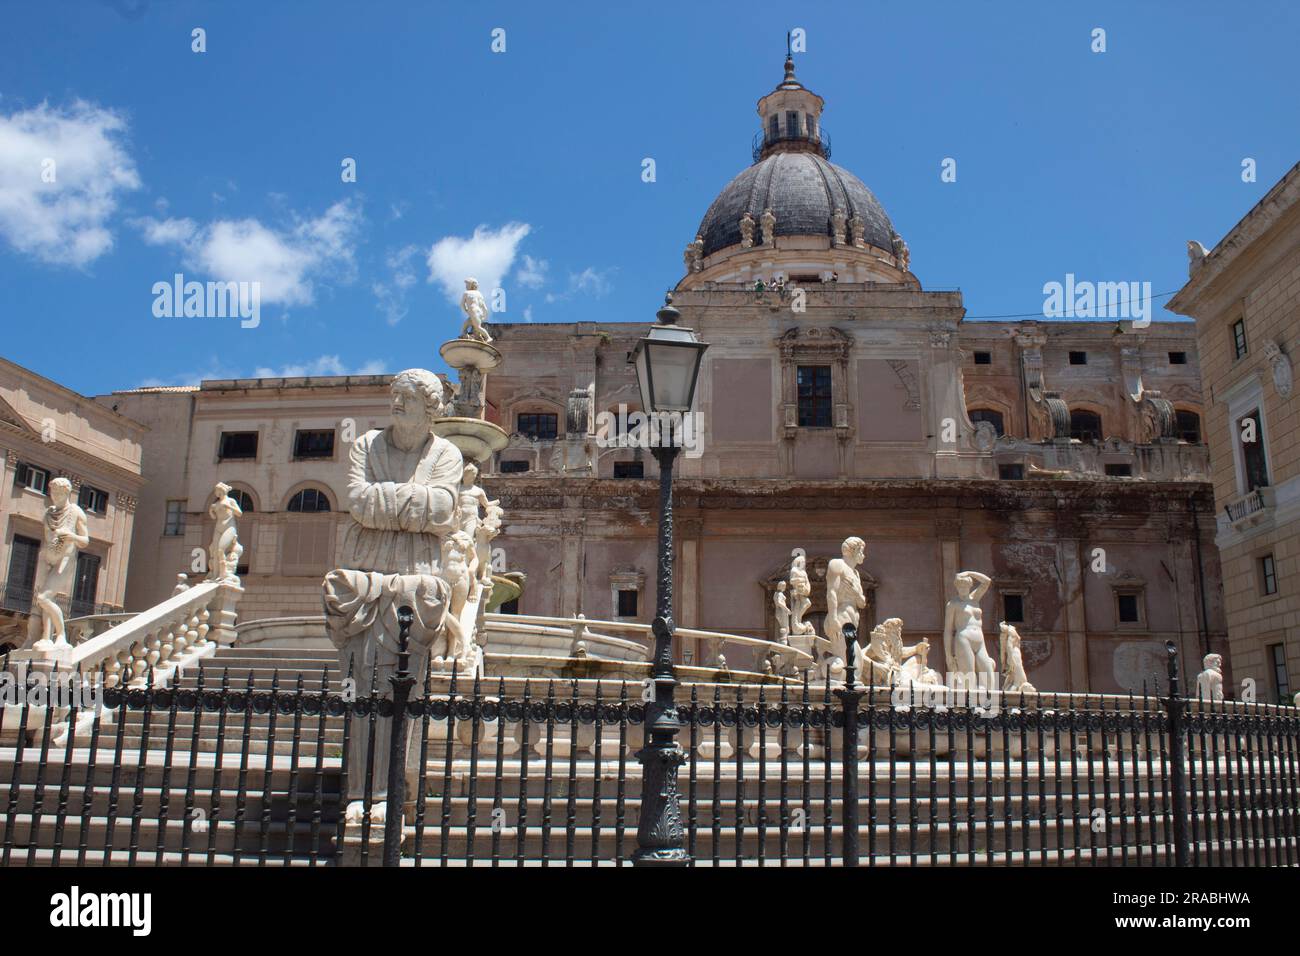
x,y
241,791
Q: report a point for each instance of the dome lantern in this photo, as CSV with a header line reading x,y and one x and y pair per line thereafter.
x,y
791,118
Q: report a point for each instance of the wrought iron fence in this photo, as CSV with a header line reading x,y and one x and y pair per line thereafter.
x,y
253,770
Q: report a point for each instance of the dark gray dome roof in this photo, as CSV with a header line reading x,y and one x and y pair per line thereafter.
x,y
802,189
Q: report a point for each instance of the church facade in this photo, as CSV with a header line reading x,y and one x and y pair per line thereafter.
x,y
838,397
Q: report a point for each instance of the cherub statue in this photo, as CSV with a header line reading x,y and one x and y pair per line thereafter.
x,y
56,568
225,550
782,611
476,312
456,572
1209,682
1014,680
963,632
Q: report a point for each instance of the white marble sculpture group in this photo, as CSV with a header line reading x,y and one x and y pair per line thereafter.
x,y
882,658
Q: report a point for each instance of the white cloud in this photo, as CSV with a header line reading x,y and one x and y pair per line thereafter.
x,y
284,261
487,256
64,222
589,281
532,272
322,365
528,313
391,293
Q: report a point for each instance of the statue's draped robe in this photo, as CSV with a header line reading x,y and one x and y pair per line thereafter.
x,y
402,505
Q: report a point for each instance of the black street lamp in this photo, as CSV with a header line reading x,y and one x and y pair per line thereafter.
x,y
667,364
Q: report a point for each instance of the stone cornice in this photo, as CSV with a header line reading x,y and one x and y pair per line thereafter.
x,y
50,455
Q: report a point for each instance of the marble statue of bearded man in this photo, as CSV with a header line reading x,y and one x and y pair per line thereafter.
x,y
403,482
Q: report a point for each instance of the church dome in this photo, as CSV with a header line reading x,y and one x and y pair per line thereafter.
x,y
803,190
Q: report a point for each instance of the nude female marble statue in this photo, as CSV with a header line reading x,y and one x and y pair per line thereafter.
x,y
963,632
56,568
225,550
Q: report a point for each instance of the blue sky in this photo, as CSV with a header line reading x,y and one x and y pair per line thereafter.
x,y
527,164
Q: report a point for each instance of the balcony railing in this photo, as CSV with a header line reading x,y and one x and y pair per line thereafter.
x,y
1249,509
818,140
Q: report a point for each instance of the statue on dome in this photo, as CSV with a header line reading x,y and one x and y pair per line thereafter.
x,y
901,254
56,568
747,230
838,222
404,484
475,308
859,229
768,222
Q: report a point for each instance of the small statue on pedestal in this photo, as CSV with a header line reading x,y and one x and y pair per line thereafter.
x,y
966,657
747,230
1209,682
801,589
782,612
225,550
56,568
476,313
844,595
1014,680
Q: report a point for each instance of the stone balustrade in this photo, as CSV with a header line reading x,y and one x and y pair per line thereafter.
x,y
187,626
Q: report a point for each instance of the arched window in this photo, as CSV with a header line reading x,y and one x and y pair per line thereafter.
x,y
1085,425
1189,427
243,499
989,415
309,500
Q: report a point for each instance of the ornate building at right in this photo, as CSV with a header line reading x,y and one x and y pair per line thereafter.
x,y
1245,296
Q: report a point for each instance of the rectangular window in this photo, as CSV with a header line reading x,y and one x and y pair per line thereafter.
x,y
1177,358
791,124
1127,609
93,500
1011,472
773,128
32,478
175,521
814,394
1239,348
1281,680
238,446
539,426
513,467
313,443
627,603
22,573
1013,608
1267,575
1250,432
1116,470
1078,358
1189,427
983,358
629,469
85,585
